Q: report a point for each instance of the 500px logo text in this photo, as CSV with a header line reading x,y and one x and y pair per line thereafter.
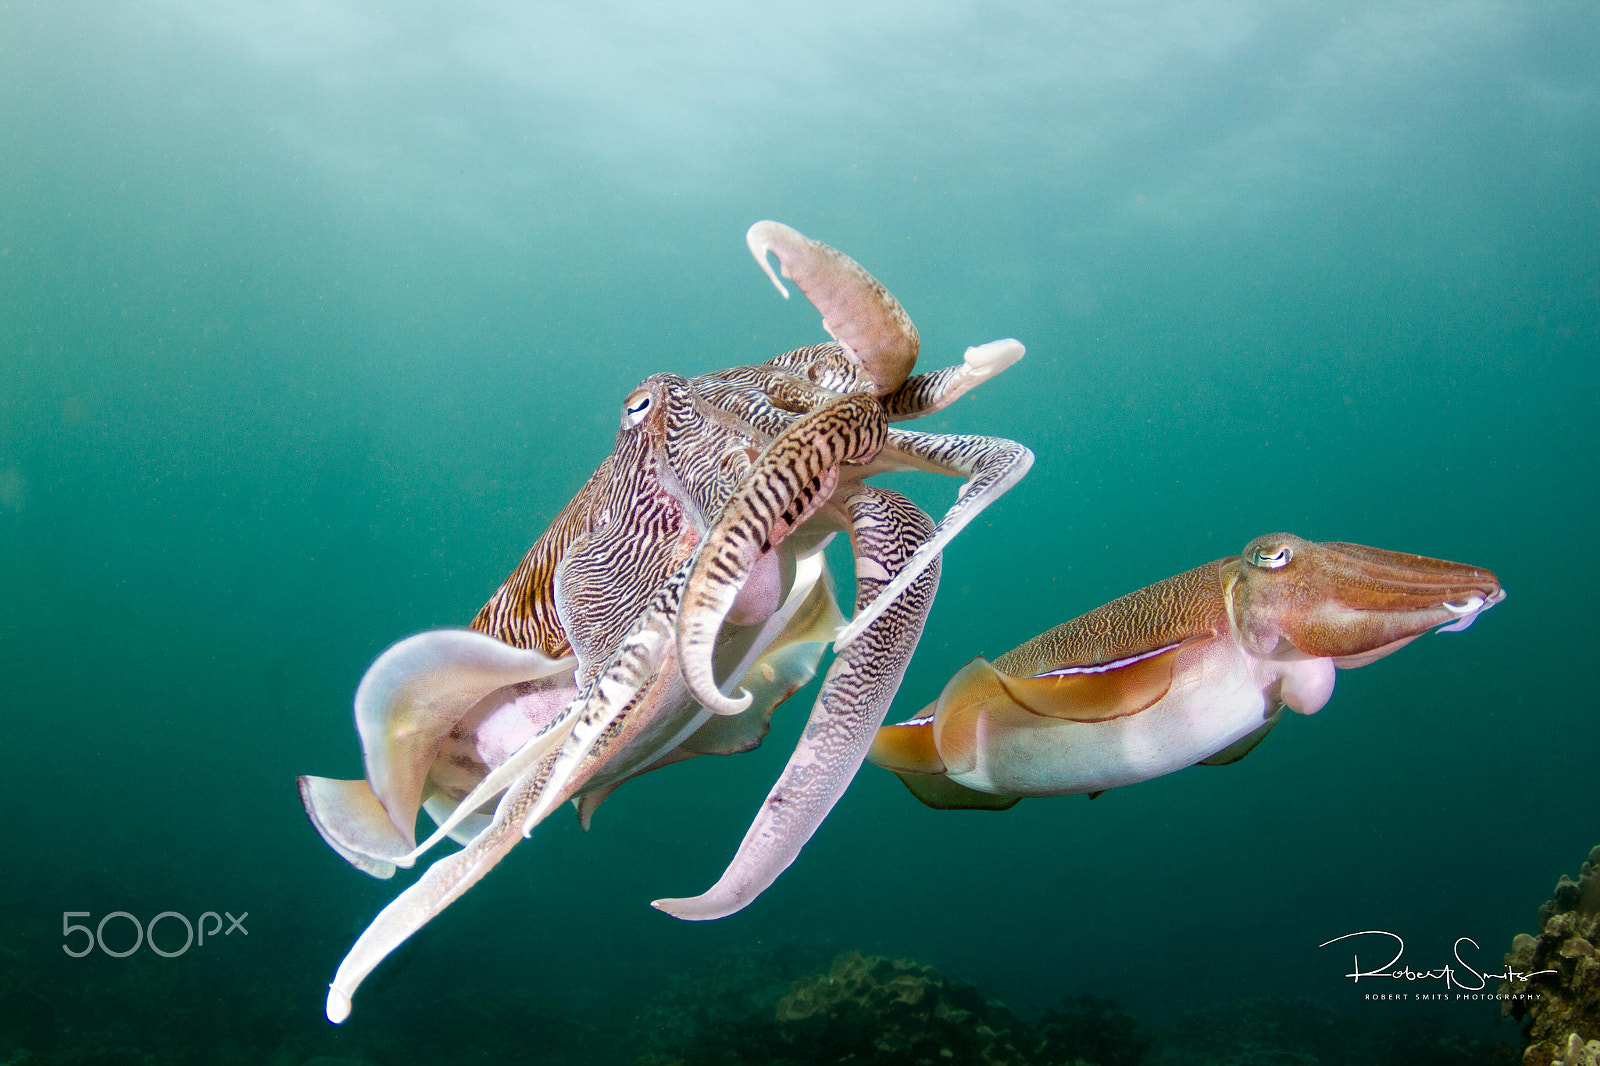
x,y
146,934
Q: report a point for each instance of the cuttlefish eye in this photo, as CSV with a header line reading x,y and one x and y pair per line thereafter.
x,y
635,407
1270,559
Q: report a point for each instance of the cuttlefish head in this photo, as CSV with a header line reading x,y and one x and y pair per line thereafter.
x,y
1347,602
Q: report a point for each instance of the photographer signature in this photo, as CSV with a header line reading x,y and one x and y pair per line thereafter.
x,y
1450,975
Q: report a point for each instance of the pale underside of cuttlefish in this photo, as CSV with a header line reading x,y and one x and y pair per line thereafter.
x,y
1194,669
693,553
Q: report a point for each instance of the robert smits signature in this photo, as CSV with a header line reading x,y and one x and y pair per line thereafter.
x,y
1456,976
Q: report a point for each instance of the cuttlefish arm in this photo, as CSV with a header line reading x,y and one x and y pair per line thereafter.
x,y
1194,669
877,334
857,311
924,394
788,482
544,771
990,465
771,672
884,529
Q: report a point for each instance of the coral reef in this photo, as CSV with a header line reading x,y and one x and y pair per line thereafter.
x,y
862,1009
721,1013
795,1004
1579,1053
1563,1020
877,1011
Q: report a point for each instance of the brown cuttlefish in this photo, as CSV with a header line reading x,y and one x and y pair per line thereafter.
x,y
1193,669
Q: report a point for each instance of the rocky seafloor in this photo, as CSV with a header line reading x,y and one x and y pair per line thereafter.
x,y
784,1007
1562,1022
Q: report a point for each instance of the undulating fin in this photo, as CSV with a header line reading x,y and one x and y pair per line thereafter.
x,y
959,708
1095,694
1244,745
415,693
440,808
353,822
907,748
943,794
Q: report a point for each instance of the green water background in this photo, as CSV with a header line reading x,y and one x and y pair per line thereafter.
x,y
312,316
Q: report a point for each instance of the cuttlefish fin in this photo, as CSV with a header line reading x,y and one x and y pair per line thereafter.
x,y
352,820
1096,693
406,705
1245,744
942,794
907,748
416,692
442,810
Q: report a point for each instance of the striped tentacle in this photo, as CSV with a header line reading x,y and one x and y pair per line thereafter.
x,y
923,394
793,477
885,529
990,464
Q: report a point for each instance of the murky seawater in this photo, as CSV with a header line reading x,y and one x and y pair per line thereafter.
x,y
313,316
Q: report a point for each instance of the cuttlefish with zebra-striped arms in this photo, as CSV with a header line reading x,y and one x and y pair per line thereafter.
x,y
1194,669
694,552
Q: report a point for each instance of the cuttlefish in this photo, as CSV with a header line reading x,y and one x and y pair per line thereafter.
x,y
672,605
1194,669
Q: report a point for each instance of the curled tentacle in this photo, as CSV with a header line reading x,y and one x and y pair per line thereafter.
x,y
885,529
857,311
785,486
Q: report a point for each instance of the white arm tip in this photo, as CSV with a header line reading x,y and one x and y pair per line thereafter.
x,y
989,359
338,1005
759,238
